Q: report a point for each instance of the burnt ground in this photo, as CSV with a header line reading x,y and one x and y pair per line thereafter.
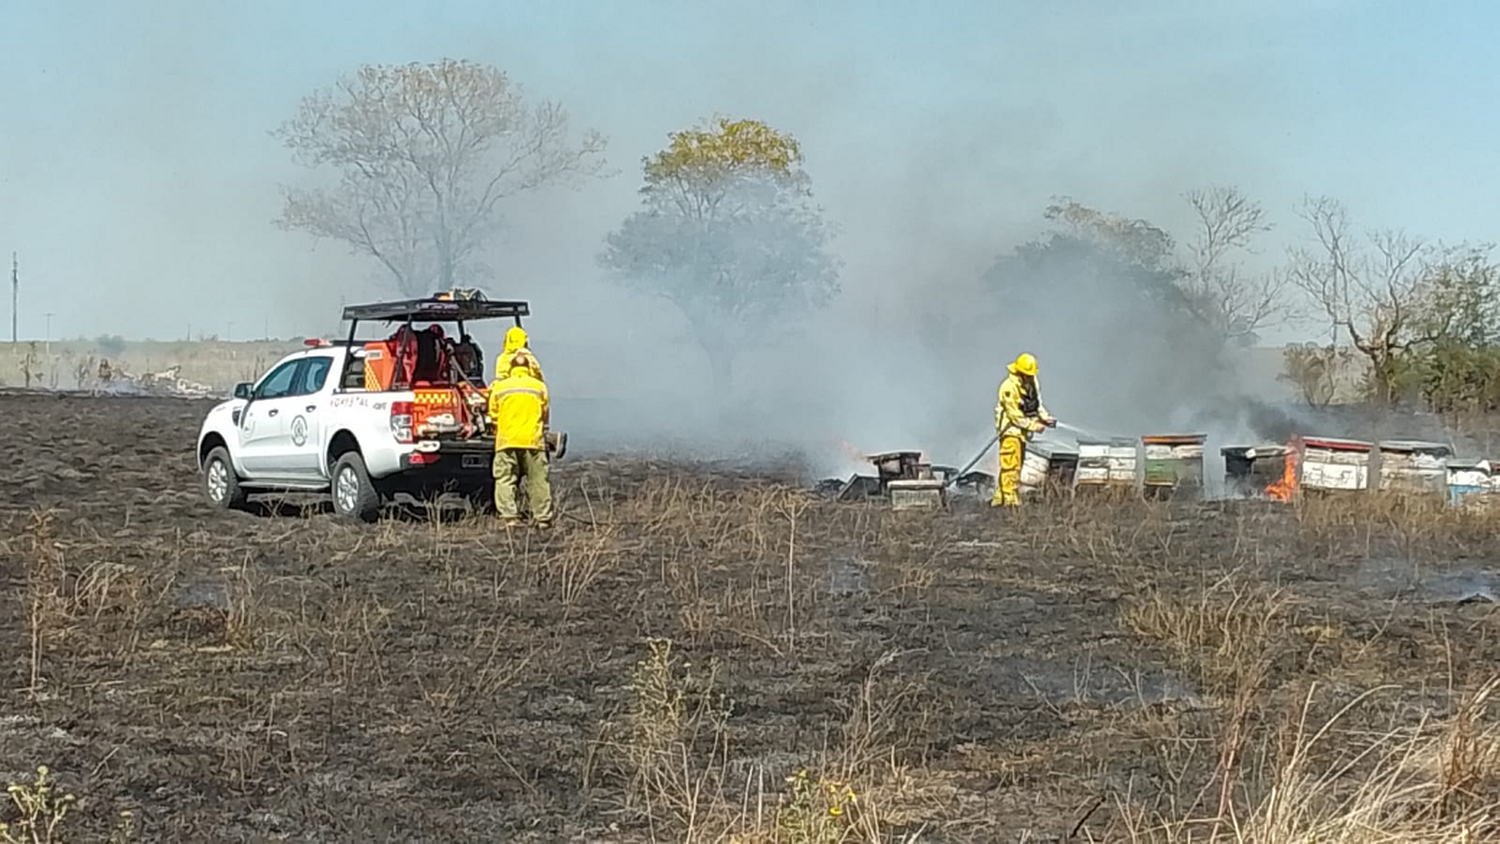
x,y
685,640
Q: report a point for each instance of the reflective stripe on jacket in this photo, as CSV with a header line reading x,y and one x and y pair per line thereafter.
x,y
519,408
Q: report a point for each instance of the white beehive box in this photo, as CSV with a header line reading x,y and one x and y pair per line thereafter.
x,y
916,494
1336,465
1122,462
1413,466
1470,483
1047,468
1034,469
1107,463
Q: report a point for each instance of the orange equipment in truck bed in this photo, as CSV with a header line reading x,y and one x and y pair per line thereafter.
x,y
440,407
383,356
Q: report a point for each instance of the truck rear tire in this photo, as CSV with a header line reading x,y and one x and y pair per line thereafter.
x,y
220,483
354,494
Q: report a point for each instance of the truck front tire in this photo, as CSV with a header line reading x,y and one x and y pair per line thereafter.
x,y
354,494
220,483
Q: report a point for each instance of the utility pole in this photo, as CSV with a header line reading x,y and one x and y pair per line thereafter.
x,y
15,297
48,341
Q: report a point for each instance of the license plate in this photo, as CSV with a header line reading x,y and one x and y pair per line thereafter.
x,y
473,461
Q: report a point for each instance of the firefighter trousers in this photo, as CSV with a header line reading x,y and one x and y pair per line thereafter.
x,y
511,464
1008,489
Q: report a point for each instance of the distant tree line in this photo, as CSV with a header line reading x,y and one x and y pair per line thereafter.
x,y
421,160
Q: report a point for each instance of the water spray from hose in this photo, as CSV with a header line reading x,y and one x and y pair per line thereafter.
x,y
1077,431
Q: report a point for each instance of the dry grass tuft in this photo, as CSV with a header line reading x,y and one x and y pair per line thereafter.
x,y
1224,634
37,812
47,608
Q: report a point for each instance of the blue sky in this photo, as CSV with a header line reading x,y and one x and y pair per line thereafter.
x,y
138,179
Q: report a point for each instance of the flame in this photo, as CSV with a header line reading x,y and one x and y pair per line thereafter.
x,y
852,453
1284,489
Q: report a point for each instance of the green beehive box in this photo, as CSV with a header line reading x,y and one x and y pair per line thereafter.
x,y
1174,461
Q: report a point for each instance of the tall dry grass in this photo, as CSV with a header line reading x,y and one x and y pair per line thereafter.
x,y
1415,783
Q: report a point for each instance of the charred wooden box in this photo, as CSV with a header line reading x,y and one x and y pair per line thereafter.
x,y
1250,469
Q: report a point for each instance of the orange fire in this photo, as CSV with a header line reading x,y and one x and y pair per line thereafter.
x,y
851,452
1284,489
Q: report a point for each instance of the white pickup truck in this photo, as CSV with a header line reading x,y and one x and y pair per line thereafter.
x,y
369,421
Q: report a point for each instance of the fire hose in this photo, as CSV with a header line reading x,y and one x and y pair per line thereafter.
x,y
952,479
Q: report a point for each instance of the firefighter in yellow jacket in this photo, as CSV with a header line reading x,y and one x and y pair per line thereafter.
x,y
1018,415
519,410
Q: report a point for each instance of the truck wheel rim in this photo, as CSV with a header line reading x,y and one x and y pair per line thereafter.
x,y
348,490
218,480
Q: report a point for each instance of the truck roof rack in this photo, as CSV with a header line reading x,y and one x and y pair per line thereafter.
x,y
438,310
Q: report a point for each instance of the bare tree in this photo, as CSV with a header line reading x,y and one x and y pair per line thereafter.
x,y
425,154
1224,294
1374,294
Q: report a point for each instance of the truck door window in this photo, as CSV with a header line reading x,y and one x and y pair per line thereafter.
x,y
313,376
278,384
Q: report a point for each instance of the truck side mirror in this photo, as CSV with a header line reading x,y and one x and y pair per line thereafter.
x,y
243,390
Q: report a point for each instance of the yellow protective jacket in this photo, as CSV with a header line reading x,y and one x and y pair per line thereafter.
x,y
1010,418
519,408
515,343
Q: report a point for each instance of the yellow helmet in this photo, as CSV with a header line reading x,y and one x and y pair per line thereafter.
x,y
1025,365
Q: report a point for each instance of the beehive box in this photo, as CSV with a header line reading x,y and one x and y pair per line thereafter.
x,y
1106,463
1414,466
1470,483
1174,462
1249,470
916,494
1047,469
1331,464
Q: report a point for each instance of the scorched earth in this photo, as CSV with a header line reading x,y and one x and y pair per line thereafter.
x,y
710,653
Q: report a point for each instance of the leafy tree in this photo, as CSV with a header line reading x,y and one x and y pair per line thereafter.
x,y
1459,371
1099,294
728,233
1398,299
1106,293
426,154
1210,283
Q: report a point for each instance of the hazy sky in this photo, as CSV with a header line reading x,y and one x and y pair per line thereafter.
x,y
138,179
